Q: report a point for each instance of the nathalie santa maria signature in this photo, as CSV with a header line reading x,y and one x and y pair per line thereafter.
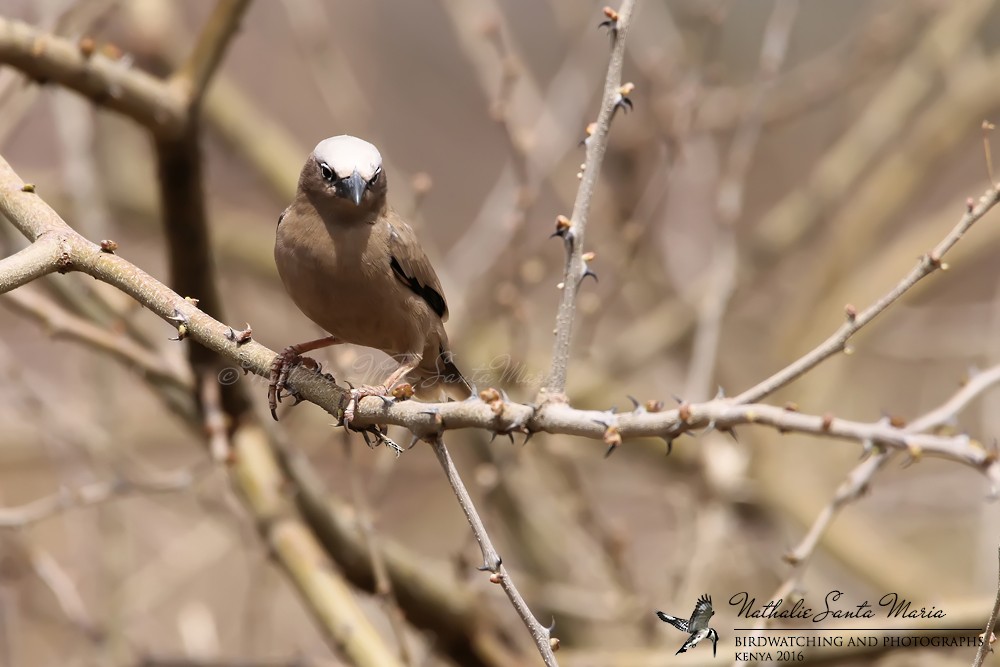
x,y
891,604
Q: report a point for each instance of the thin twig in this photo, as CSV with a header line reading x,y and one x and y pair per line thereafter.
x,y
987,644
491,559
196,72
104,80
859,479
97,493
927,265
575,235
60,323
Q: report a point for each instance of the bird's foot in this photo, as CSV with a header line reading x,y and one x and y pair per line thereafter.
x,y
360,393
282,365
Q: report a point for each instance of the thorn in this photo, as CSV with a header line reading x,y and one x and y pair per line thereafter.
x,y
240,337
414,441
612,23
588,272
564,228
552,626
622,100
678,399
670,444
510,434
612,438
732,434
493,437
720,393
635,403
527,436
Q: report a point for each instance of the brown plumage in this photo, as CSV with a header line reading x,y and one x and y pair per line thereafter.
x,y
356,269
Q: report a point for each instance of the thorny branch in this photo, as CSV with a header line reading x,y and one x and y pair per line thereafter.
x,y
858,480
987,645
573,234
491,559
928,264
70,251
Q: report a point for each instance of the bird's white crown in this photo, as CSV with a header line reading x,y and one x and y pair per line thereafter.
x,y
345,153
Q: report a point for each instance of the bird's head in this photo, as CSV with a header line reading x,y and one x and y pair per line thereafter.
x,y
345,172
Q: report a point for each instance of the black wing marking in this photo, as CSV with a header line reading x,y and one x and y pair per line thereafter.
x,y
678,623
429,294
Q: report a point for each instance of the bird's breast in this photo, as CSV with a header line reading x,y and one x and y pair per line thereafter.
x,y
341,280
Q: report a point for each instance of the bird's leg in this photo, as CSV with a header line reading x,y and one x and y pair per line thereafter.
x,y
410,361
288,359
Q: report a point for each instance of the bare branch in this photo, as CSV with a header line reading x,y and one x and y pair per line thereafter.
x,y
194,75
491,559
92,494
104,80
596,146
927,265
26,265
987,645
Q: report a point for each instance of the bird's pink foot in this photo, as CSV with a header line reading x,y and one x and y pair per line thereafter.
x,y
360,393
278,376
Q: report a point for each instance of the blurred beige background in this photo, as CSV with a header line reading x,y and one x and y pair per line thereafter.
x,y
870,142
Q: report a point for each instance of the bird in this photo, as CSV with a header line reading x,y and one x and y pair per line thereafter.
x,y
697,626
356,268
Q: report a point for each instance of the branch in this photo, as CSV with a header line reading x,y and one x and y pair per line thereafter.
x,y
106,81
97,493
26,265
574,235
62,323
33,217
927,265
318,580
196,72
987,645
491,559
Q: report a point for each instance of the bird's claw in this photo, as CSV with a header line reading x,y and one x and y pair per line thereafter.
x,y
357,394
282,365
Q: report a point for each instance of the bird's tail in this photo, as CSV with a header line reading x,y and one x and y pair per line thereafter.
x,y
437,378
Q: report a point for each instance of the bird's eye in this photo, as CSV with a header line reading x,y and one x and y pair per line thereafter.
x,y
327,173
378,173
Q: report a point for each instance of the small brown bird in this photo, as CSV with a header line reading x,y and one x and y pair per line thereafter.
x,y
356,269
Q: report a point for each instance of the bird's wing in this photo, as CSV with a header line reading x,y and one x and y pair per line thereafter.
x,y
702,613
678,623
412,267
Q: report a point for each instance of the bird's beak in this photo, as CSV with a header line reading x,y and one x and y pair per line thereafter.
x,y
355,187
